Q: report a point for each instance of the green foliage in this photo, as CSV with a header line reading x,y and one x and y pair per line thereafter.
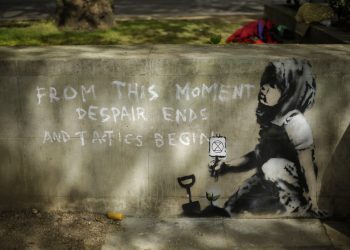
x,y
215,39
124,33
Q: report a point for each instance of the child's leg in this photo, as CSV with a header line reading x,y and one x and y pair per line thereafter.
x,y
243,189
286,178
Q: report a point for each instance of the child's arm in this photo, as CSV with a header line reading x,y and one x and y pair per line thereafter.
x,y
244,163
300,134
305,159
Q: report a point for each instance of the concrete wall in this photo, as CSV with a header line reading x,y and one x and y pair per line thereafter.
x,y
123,164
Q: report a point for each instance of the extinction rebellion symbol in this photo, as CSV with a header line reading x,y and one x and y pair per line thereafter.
x,y
217,146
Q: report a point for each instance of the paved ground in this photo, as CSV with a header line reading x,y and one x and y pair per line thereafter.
x,y
27,230
42,9
188,8
229,234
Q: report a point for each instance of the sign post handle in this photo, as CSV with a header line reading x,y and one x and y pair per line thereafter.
x,y
216,178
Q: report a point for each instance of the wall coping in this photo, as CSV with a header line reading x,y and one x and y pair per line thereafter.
x,y
175,51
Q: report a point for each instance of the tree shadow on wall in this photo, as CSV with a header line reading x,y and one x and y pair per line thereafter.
x,y
334,193
30,177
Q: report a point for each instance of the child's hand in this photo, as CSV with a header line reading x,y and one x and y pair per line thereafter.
x,y
217,167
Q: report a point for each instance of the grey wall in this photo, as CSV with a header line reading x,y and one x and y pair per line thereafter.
x,y
121,174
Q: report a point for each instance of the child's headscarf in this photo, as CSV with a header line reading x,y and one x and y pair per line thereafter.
x,y
294,78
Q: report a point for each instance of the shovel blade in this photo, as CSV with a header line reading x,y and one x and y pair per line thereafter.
x,y
191,208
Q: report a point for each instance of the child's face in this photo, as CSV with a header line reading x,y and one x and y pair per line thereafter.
x,y
269,95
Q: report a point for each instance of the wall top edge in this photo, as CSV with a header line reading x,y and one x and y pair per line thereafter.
x,y
175,52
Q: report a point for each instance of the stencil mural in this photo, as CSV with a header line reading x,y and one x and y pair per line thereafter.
x,y
286,172
120,114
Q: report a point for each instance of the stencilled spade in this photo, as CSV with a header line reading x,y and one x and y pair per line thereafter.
x,y
192,208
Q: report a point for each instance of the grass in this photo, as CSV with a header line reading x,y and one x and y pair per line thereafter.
x,y
125,32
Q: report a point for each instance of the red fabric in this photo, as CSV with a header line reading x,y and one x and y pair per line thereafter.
x,y
249,33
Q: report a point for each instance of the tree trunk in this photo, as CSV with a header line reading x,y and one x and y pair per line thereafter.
x,y
85,14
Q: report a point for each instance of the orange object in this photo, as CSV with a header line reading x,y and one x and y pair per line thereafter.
x,y
115,215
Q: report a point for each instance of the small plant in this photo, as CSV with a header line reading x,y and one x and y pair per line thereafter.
x,y
211,198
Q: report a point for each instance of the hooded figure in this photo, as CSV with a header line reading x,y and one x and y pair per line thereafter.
x,y
285,178
297,86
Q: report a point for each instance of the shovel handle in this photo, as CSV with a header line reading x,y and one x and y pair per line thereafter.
x,y
185,178
188,185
